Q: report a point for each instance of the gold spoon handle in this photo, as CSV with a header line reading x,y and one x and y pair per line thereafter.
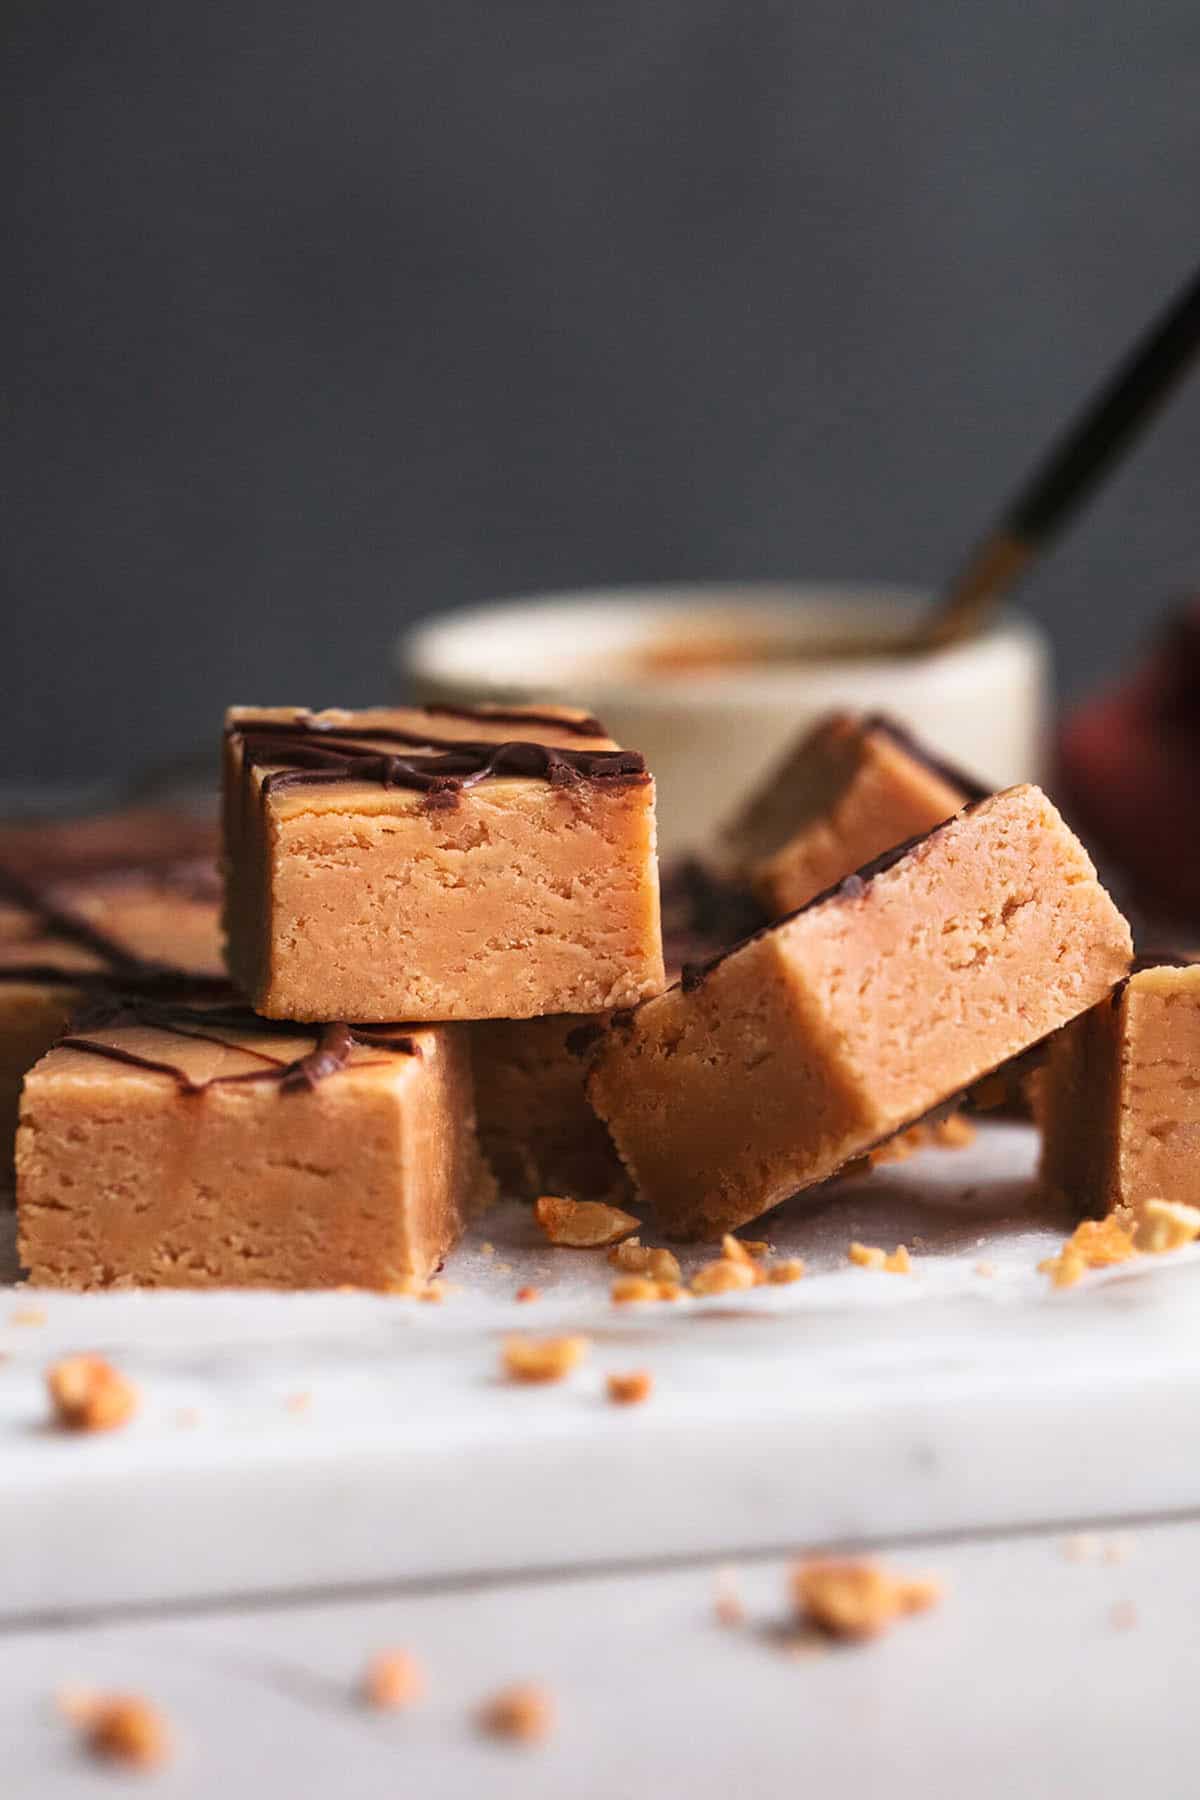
x,y
1070,473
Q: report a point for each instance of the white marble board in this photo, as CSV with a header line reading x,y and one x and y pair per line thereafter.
x,y
315,1441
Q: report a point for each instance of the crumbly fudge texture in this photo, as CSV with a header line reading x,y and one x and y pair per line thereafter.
x,y
196,1147
432,866
851,789
829,1031
536,1127
1118,1099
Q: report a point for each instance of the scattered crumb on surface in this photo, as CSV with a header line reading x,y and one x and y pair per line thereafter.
x,y
899,1262
1080,1547
525,1294
630,1289
1115,1550
583,1224
954,1133
1094,1244
788,1269
504,1268
299,1403
393,1679
854,1599
985,1268
728,1605
123,1728
632,1388
88,1394
523,1713
27,1315
542,1359
724,1276
1163,1225
1123,1616
867,1256
635,1258
487,1249
412,1287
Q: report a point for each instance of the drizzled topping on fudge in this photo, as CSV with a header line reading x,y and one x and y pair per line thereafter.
x,y
55,919
575,724
313,754
851,887
968,785
330,1054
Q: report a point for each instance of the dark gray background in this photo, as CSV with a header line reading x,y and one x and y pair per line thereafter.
x,y
317,317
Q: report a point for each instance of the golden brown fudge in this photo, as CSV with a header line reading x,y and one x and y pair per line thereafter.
x,y
1118,1099
69,931
767,1069
437,864
851,789
173,1146
537,1129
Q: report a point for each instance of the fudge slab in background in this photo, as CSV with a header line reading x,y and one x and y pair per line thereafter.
x,y
1118,1099
173,1146
850,790
831,1030
404,864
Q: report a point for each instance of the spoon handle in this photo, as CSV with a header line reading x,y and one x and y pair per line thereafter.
x,y
1073,468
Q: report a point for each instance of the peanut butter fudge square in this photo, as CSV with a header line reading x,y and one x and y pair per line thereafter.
x,y
436,865
183,1146
766,1070
1118,1099
851,789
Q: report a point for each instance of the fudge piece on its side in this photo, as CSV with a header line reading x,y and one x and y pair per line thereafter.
x,y
1118,1098
537,1128
851,789
769,1068
436,864
164,1145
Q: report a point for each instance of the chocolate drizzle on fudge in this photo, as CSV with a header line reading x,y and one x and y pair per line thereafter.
x,y
314,754
57,920
969,786
576,725
851,887
329,1055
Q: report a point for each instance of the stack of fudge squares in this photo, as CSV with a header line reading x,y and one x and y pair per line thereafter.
x,y
445,977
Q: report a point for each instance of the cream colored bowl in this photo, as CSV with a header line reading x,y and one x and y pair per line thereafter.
x,y
712,683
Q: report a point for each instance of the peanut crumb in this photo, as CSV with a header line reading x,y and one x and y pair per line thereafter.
x,y
857,1599
1123,1616
299,1403
393,1679
504,1268
728,1605
434,1291
583,1224
525,1294
635,1258
1163,1225
1115,1550
632,1288
1094,1244
524,1714
899,1262
867,1256
724,1276
789,1269
487,1249
632,1388
1080,1547
124,1728
985,1268
954,1133
27,1315
733,1250
542,1359
88,1394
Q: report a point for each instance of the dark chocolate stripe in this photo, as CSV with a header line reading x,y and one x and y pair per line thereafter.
x,y
586,726
313,755
330,1054
60,921
969,786
851,887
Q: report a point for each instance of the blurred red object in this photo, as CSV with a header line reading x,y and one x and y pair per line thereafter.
x,y
1130,772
